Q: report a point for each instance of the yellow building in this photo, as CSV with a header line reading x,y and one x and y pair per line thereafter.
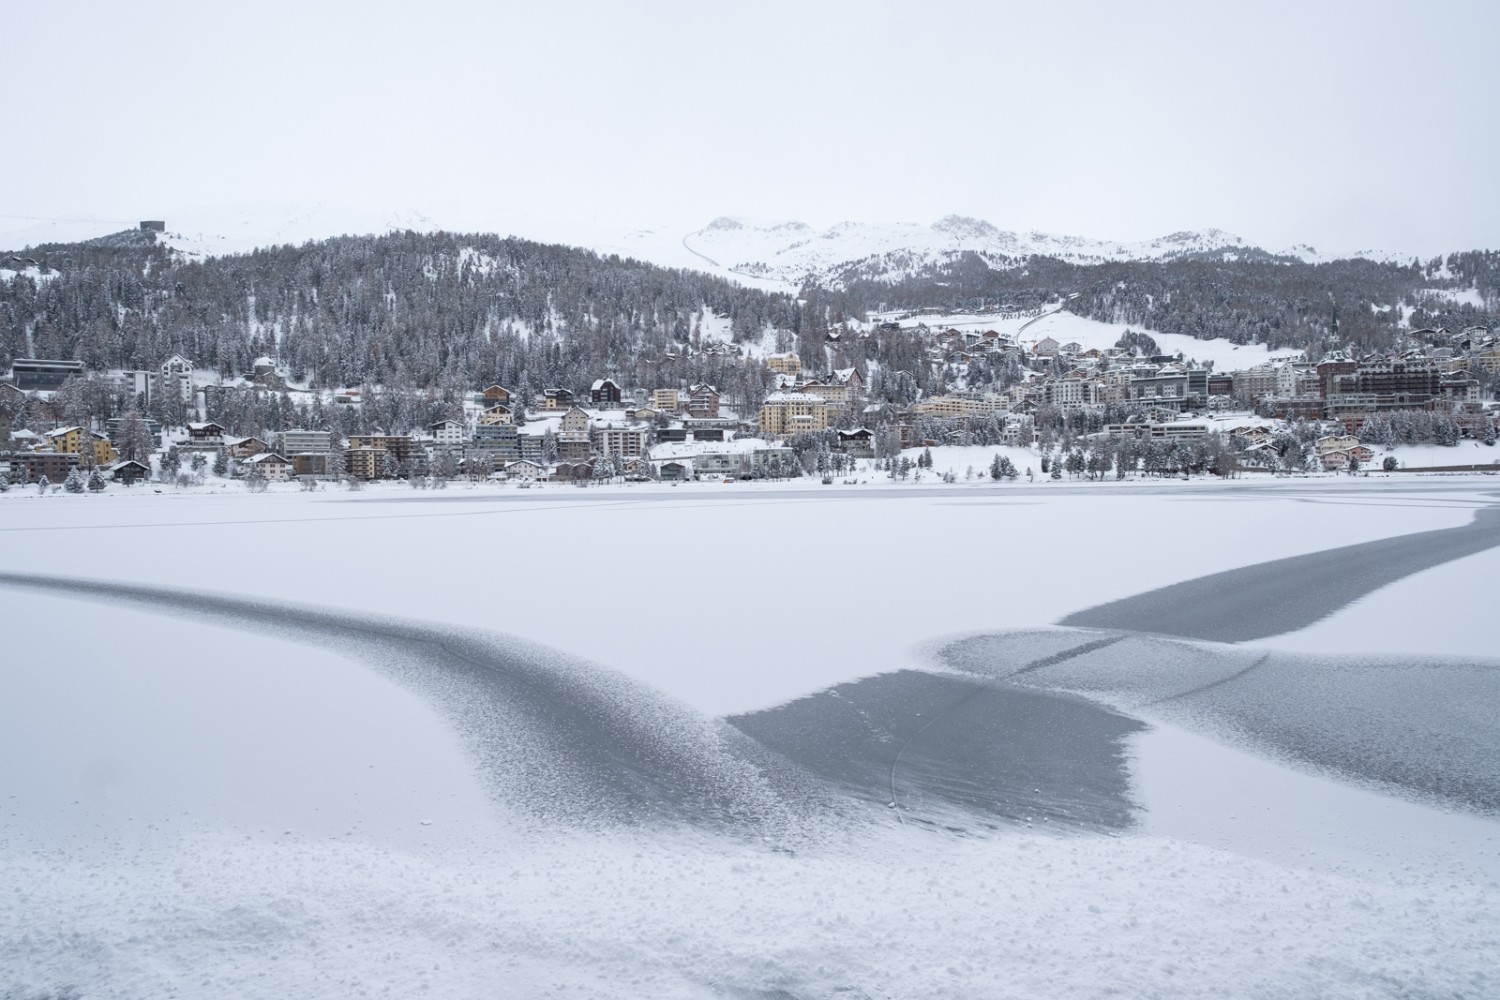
x,y
1489,359
838,397
785,364
665,400
788,413
69,441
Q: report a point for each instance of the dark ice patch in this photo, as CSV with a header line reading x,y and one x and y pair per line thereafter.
x,y
1284,595
951,750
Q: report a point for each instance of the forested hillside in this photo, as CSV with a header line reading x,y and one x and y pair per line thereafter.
x,y
1243,297
405,309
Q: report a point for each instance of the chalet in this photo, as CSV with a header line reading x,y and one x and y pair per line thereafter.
x,y
246,447
496,395
205,436
524,469
572,472
497,414
1340,459
270,465
129,472
639,468
675,470
850,377
557,399
1252,435
604,392
1045,348
859,442
1336,442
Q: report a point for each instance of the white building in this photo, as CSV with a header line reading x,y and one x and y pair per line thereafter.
x,y
177,376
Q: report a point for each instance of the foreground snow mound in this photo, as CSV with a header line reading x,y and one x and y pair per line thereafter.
x,y
893,913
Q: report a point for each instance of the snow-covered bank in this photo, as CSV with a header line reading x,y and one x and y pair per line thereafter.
x,y
893,913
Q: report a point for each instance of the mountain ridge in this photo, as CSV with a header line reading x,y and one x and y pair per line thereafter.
x,y
797,254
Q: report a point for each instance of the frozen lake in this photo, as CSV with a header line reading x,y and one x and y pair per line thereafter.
x,y
972,741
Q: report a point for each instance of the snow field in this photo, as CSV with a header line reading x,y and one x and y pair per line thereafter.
x,y
1065,327
891,913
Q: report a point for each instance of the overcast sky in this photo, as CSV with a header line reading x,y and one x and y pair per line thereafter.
x,y
1344,125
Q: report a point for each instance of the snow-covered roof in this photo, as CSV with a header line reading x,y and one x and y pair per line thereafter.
x,y
263,360
794,397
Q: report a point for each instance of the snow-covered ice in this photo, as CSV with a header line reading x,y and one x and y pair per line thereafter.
x,y
215,807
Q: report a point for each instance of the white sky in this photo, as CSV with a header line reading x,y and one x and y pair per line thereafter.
x,y
1344,125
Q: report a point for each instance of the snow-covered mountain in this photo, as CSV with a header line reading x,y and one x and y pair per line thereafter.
x,y
780,255
795,252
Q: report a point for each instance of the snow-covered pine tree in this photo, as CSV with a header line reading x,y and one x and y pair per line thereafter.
x,y
75,482
96,481
41,486
133,438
